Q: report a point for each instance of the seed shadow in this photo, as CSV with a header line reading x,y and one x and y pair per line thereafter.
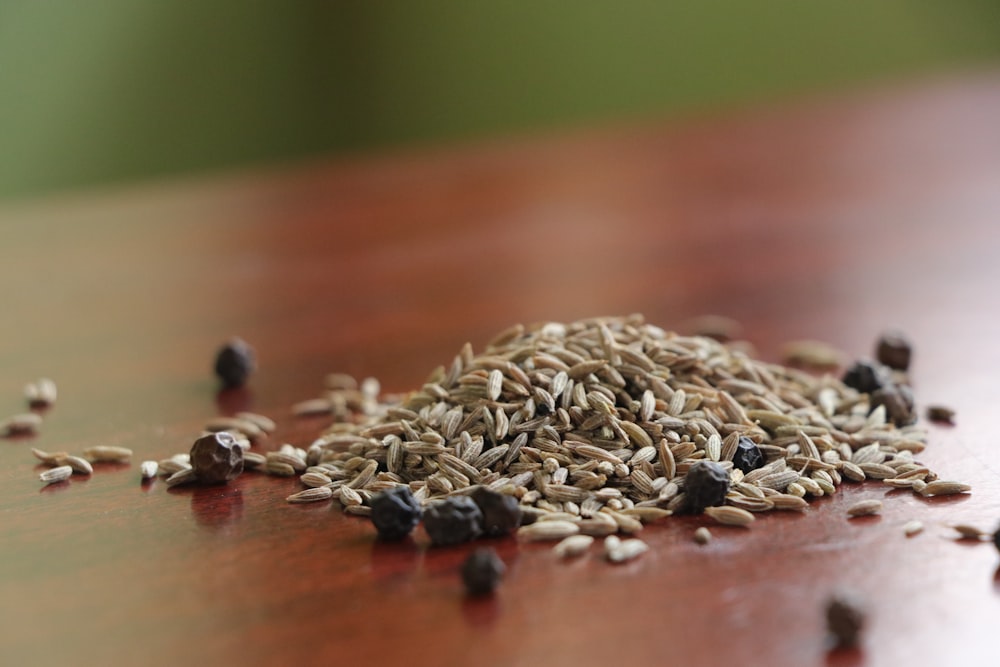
x,y
56,487
954,499
215,507
845,657
230,400
481,611
395,560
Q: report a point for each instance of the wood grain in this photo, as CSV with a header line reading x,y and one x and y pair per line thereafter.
x,y
832,219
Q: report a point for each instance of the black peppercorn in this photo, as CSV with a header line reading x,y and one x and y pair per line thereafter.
x,y
866,376
898,402
705,485
235,362
395,513
482,571
501,513
747,456
216,458
845,619
453,520
893,349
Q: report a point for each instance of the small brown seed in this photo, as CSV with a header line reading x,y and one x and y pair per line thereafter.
x,y
702,535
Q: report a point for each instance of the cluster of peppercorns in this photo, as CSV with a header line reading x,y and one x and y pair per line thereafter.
x,y
457,519
885,379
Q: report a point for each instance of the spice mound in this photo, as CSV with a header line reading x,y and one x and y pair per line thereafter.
x,y
610,422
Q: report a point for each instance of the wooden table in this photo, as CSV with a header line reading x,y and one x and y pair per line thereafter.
x,y
830,219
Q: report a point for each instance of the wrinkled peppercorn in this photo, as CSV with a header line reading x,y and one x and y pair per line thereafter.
x,y
893,350
866,376
705,485
898,402
216,458
395,513
747,456
235,362
482,571
845,618
453,520
501,513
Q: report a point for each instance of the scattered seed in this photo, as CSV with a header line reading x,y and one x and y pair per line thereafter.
x,y
148,469
548,530
27,423
893,349
574,545
845,619
108,454
730,516
865,507
482,571
313,495
702,535
967,532
235,362
911,528
79,464
943,488
941,413
41,393
55,475
620,551
180,477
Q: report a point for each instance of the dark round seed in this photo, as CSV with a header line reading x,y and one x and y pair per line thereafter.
x,y
845,619
216,458
893,349
866,376
501,513
235,362
395,513
747,456
453,520
705,485
898,402
482,571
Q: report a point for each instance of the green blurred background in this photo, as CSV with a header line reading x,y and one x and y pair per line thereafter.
x,y
94,92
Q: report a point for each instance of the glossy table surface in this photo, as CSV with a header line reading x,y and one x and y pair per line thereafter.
x,y
828,219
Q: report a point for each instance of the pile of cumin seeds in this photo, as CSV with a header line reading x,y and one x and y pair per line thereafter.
x,y
598,421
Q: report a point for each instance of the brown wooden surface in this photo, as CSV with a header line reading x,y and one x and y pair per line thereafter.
x,y
832,219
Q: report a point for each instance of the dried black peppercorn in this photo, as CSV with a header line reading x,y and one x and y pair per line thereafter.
x,y
845,619
216,458
893,349
866,376
705,485
395,513
747,456
482,571
453,520
898,402
235,362
501,513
